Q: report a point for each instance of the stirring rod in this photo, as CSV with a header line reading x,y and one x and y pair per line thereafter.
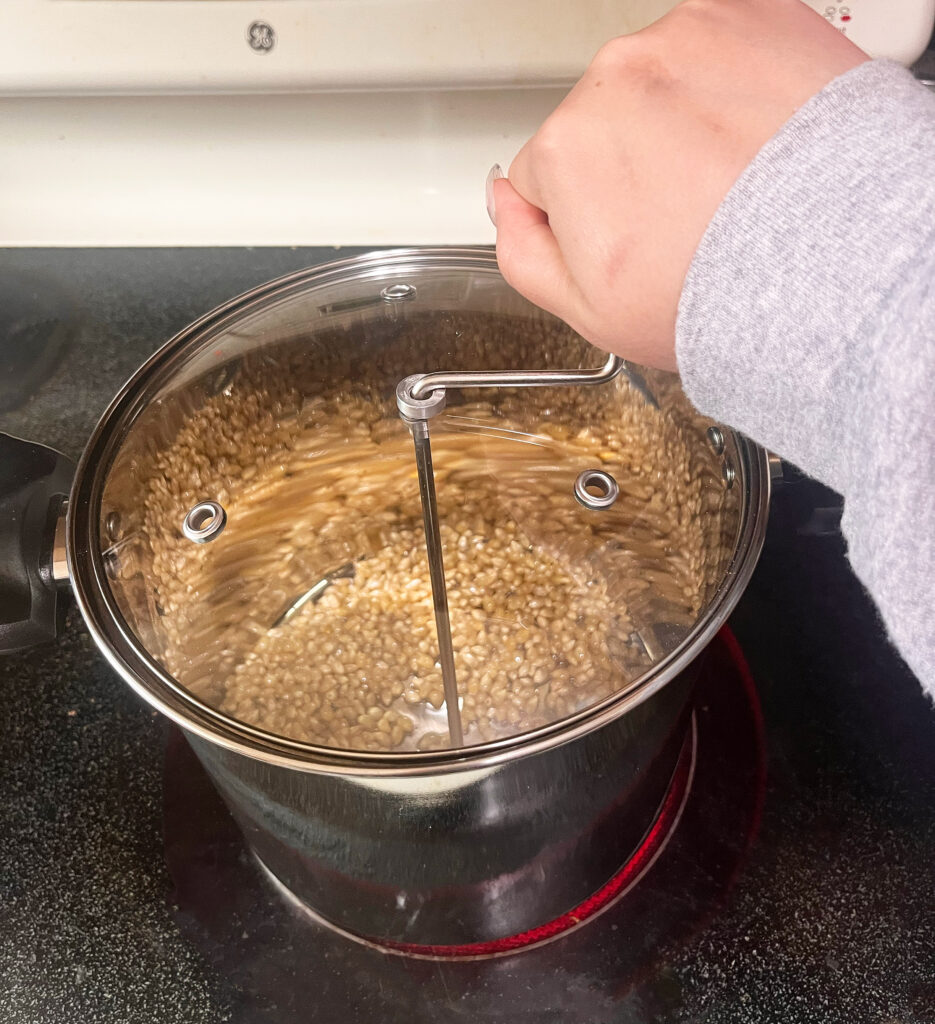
x,y
433,544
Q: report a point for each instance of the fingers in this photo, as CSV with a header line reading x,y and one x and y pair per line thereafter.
x,y
522,171
529,255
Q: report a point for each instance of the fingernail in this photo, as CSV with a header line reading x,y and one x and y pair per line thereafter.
x,y
495,172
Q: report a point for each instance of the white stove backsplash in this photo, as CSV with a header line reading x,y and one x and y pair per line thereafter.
x,y
397,155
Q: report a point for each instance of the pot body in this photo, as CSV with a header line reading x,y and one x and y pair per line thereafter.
x,y
468,856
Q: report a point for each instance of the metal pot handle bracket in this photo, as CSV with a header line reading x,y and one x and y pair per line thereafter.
x,y
35,482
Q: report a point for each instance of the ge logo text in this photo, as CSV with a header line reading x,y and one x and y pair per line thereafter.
x,y
261,36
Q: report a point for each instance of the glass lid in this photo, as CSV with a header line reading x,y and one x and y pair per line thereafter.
x,y
264,532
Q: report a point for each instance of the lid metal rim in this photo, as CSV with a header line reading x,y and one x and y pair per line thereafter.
x,y
131,661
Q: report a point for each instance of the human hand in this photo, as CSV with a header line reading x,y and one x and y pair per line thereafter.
x,y
605,206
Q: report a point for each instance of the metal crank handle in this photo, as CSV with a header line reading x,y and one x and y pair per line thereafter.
x,y
422,395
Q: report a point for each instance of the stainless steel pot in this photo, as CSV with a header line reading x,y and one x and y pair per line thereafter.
x,y
424,846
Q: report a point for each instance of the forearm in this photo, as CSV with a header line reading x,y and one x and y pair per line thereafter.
x,y
807,321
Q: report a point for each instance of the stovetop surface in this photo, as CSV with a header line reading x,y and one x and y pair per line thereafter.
x,y
831,919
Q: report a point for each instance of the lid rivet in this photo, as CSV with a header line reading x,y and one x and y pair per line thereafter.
x,y
716,439
112,525
729,473
596,489
204,522
398,293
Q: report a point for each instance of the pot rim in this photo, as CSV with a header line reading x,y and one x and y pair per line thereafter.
x,y
129,658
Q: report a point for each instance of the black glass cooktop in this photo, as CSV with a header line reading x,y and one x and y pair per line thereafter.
x,y
798,885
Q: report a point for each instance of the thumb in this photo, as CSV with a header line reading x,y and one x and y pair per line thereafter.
x,y
529,256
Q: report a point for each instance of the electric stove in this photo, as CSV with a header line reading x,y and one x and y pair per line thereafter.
x,y
788,877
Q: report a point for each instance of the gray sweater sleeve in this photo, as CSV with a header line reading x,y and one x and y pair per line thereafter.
x,y
807,321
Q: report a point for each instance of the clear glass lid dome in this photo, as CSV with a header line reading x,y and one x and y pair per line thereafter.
x,y
262,529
